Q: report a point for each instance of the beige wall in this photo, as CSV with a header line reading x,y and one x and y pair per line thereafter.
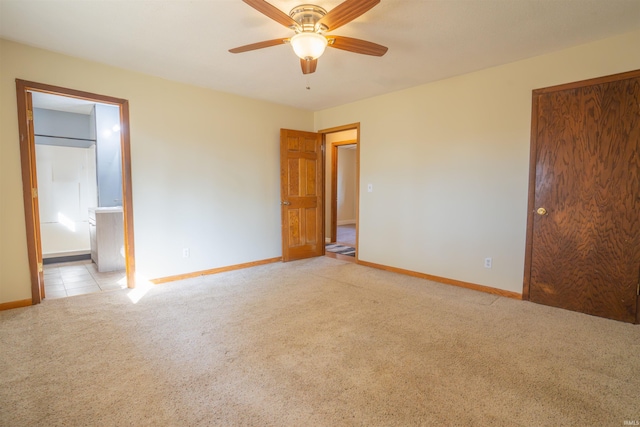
x,y
449,164
205,167
346,199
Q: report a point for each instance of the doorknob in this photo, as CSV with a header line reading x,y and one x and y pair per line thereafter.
x,y
285,203
541,211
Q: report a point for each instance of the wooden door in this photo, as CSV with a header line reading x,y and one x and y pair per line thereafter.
x,y
37,285
301,187
585,215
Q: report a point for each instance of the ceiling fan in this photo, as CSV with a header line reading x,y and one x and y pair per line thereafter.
x,y
310,23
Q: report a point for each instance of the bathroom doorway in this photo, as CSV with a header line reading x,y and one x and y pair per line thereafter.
x,y
79,173
76,174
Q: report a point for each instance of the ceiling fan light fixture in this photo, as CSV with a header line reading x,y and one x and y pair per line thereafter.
x,y
308,45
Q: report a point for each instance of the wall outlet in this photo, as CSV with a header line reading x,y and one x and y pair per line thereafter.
x,y
488,262
185,253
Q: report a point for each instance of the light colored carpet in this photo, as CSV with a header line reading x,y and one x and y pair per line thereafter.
x,y
316,342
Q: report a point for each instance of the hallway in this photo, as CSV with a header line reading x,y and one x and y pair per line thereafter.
x,y
346,234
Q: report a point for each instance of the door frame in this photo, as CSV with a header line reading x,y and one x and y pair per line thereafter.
x,y
334,185
30,182
533,162
324,132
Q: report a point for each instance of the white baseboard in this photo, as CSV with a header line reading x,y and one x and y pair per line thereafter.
x,y
346,221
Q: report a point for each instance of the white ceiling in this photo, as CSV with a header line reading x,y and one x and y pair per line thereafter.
x,y
428,40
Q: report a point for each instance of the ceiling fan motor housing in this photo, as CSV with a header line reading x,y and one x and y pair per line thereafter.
x,y
307,17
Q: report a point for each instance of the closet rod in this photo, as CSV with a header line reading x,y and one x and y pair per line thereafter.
x,y
65,137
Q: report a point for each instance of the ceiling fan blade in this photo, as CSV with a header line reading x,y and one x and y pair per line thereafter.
x,y
308,65
259,45
346,12
357,46
272,12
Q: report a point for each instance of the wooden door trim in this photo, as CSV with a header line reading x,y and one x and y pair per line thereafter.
x,y
29,181
536,93
351,126
334,185
528,251
589,82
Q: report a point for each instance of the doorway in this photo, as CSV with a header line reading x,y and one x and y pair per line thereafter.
x,y
76,169
305,202
342,171
343,193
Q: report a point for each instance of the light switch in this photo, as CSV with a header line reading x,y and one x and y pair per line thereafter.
x,y
370,188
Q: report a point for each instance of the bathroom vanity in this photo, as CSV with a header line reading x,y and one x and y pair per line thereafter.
x,y
106,231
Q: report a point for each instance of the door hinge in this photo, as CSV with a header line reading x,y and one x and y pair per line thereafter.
x,y
40,268
30,115
34,192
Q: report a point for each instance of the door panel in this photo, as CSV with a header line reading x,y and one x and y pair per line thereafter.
x,y
302,194
585,253
310,167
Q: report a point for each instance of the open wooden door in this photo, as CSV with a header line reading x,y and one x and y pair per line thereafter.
x,y
30,195
584,220
301,190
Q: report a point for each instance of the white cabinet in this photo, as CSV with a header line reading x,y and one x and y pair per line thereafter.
x,y
106,230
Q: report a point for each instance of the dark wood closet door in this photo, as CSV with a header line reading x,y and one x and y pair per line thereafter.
x,y
585,243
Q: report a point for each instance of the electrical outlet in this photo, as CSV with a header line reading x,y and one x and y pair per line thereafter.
x,y
185,253
488,262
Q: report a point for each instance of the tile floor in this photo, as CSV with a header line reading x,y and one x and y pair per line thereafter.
x,y
79,277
